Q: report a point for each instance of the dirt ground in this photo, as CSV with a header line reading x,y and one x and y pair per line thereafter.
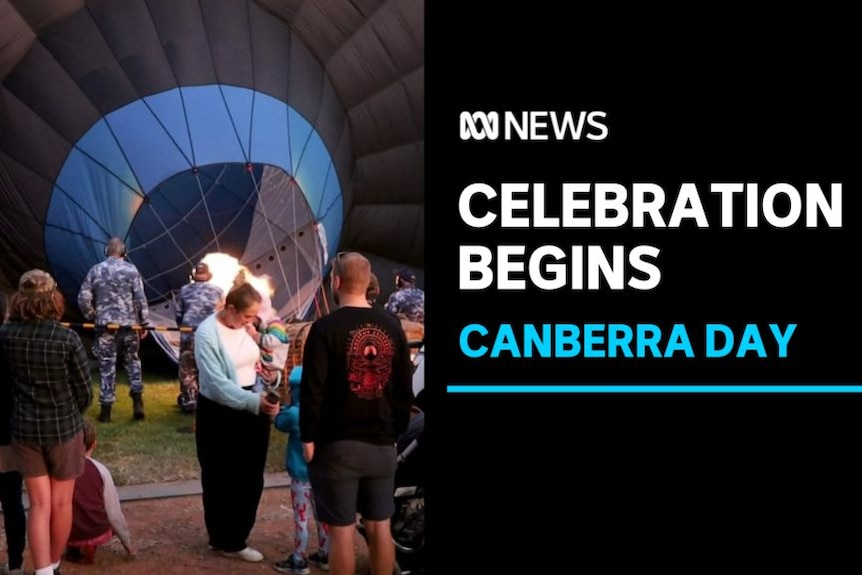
x,y
170,538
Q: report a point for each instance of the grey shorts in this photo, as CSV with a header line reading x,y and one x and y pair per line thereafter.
x,y
64,461
351,476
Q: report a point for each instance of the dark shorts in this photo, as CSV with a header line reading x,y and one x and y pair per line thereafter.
x,y
353,476
64,461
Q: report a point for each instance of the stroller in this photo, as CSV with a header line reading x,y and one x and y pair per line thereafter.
x,y
408,522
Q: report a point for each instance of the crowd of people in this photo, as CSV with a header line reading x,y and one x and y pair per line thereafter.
x,y
354,387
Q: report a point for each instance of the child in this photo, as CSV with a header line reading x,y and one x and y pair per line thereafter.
x,y
287,421
271,336
96,513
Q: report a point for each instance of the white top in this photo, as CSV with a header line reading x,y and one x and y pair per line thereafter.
x,y
242,351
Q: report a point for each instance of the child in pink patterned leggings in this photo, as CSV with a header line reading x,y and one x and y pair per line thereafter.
x,y
287,421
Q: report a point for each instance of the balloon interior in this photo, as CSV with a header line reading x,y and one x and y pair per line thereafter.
x,y
248,132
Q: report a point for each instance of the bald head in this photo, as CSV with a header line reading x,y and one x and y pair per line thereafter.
x,y
354,271
115,247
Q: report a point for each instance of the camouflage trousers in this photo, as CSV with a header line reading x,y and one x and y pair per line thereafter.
x,y
109,345
188,373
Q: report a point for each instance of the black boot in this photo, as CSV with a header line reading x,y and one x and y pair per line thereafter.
x,y
138,406
105,414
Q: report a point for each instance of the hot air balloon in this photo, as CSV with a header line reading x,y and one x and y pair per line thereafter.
x,y
275,131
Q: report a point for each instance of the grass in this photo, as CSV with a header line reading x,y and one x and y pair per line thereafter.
x,y
162,446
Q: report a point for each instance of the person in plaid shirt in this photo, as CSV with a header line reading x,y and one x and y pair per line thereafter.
x,y
50,383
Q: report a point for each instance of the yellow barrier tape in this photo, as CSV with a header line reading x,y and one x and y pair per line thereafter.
x,y
116,326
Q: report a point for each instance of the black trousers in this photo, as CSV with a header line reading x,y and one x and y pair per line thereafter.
x,y
14,519
232,448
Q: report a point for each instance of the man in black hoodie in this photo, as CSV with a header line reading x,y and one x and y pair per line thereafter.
x,y
356,395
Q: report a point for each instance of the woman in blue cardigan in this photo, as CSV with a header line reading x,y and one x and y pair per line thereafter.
x,y
233,424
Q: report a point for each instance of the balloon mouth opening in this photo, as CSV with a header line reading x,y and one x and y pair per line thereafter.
x,y
204,210
227,272
250,223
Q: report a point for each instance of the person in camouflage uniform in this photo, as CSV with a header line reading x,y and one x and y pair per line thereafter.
x,y
113,293
197,300
407,301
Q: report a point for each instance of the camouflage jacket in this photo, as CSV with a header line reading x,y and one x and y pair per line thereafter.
x,y
113,292
196,301
409,302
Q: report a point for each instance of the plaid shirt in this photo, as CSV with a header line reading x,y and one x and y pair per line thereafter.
x,y
50,380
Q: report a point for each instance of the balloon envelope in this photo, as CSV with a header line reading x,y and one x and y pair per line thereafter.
x,y
273,131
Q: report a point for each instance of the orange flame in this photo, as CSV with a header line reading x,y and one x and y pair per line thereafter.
x,y
225,269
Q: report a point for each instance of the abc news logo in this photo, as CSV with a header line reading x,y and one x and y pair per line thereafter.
x,y
528,126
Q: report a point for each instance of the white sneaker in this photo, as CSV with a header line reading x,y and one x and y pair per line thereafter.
x,y
247,554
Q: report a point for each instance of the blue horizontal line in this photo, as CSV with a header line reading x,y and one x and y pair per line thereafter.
x,y
540,388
